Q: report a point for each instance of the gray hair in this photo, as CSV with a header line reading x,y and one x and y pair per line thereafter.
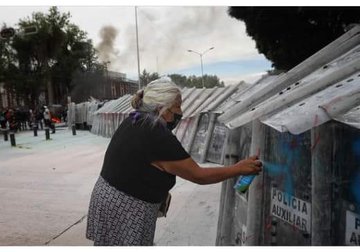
x,y
158,94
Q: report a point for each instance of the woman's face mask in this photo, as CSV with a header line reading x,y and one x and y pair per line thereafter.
x,y
173,114
172,125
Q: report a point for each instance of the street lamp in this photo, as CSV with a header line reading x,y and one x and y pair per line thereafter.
x,y
201,61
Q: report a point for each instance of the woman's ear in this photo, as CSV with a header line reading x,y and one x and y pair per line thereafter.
x,y
158,110
163,112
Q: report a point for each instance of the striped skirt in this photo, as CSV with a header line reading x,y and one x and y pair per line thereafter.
x,y
118,219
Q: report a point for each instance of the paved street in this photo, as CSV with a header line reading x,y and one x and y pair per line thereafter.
x,y
45,188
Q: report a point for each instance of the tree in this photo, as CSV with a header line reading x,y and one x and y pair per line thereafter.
x,y
184,81
289,35
146,78
48,59
8,70
180,80
77,56
210,81
6,56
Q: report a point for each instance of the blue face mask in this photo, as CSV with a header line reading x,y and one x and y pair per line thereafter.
x,y
172,125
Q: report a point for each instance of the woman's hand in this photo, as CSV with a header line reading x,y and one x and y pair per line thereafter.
x,y
249,166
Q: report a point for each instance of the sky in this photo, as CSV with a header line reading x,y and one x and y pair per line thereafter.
x,y
165,33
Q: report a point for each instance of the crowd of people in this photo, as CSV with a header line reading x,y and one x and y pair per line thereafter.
x,y
20,119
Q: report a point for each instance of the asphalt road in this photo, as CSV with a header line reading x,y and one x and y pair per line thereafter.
x,y
45,187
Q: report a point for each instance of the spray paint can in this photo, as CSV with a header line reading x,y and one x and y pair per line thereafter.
x,y
243,183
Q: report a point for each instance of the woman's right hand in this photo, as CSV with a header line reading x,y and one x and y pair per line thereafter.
x,y
249,166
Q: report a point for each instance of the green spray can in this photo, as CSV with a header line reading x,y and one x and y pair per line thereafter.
x,y
243,183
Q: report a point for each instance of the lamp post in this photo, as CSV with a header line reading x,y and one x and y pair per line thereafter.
x,y
201,61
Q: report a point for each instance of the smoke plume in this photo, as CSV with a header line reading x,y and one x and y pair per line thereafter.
x,y
163,45
106,48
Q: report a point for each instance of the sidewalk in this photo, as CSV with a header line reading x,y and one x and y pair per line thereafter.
x,y
45,188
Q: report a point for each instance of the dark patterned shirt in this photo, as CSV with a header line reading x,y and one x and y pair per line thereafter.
x,y
136,143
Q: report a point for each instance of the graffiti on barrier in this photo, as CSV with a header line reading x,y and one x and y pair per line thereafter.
x,y
355,183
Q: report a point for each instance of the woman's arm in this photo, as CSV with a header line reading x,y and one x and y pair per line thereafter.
x,y
188,169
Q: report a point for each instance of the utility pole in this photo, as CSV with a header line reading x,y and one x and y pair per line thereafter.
x,y
137,47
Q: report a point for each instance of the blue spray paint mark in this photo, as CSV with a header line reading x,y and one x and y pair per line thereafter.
x,y
289,147
355,187
276,170
282,172
287,152
273,169
356,148
355,183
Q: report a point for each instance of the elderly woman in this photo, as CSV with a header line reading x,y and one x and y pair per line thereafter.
x,y
140,167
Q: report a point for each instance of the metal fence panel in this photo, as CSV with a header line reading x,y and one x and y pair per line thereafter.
x,y
198,147
217,143
287,190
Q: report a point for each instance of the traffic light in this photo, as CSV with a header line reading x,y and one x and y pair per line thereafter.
x,y
6,33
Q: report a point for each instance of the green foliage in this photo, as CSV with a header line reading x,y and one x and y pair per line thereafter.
x,y
289,35
6,56
180,80
146,78
210,81
48,59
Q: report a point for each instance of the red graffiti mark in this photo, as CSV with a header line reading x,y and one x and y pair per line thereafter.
x,y
316,120
316,141
250,237
326,107
268,226
317,135
260,186
293,144
293,227
268,223
281,178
